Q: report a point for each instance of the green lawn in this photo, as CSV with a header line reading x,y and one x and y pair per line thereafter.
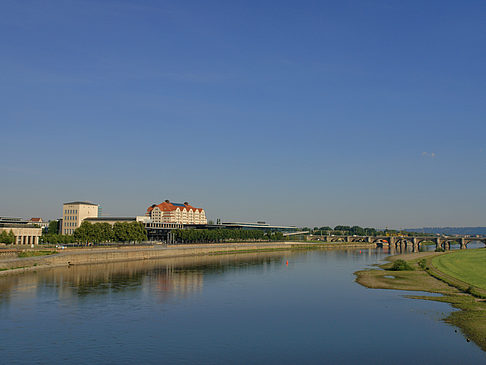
x,y
466,265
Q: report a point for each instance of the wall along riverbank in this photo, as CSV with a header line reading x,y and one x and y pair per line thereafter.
x,y
87,256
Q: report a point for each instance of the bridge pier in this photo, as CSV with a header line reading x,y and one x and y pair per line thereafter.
x,y
403,246
438,243
415,247
463,244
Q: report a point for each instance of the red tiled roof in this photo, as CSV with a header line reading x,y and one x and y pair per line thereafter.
x,y
168,206
36,219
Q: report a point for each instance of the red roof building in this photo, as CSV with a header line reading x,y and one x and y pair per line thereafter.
x,y
168,212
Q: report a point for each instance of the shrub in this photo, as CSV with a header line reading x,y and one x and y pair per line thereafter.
x,y
401,265
439,249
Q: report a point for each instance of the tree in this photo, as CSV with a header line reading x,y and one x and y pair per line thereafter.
x,y
11,237
53,227
7,237
4,237
83,233
357,230
129,232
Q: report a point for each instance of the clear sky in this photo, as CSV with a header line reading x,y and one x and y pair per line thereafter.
x,y
294,112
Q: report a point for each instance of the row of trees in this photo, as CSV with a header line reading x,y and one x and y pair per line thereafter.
x,y
57,238
104,232
100,233
7,237
135,232
224,235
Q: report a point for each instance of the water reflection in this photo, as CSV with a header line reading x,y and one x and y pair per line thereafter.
x,y
178,277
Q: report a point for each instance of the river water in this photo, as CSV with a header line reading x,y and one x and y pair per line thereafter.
x,y
266,308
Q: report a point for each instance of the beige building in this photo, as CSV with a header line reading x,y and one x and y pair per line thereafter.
x,y
25,234
168,212
73,214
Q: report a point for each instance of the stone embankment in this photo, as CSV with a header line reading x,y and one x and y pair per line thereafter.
x,y
86,256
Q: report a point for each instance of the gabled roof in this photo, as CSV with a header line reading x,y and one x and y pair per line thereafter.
x,y
167,206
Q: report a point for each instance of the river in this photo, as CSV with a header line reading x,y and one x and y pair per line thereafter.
x,y
289,307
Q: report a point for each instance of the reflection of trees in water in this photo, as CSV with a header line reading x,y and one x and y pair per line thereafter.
x,y
164,277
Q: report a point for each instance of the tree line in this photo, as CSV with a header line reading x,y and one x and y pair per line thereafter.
x,y
105,232
100,233
224,235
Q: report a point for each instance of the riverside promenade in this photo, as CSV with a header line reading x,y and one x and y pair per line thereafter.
x,y
87,256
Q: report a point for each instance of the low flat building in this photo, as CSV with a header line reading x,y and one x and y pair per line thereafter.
x,y
74,213
113,220
14,220
258,225
25,234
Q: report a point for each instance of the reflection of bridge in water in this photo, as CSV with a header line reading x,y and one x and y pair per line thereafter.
x,y
407,241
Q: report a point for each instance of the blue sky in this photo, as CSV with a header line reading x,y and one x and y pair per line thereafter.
x,y
294,112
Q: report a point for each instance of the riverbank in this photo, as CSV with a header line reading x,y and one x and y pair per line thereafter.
x,y
427,277
95,255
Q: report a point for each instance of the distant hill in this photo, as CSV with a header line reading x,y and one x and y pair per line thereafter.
x,y
450,230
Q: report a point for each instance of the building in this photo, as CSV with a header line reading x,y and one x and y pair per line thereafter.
x,y
168,212
39,222
12,220
74,213
24,232
258,225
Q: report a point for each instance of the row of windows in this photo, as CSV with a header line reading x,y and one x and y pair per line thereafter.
x,y
69,224
70,218
70,211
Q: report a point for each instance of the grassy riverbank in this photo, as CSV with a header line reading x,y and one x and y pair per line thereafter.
x,y
467,266
456,284
35,253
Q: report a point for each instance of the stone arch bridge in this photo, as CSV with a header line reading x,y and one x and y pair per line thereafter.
x,y
404,241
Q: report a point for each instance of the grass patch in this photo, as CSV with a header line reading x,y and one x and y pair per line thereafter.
x,y
13,268
35,253
465,265
425,277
